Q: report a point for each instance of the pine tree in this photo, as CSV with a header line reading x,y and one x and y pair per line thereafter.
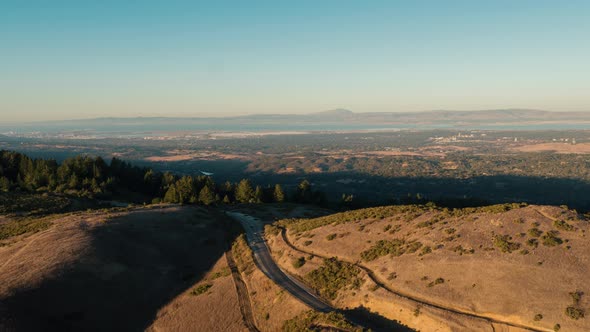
x,y
4,184
206,196
171,195
258,195
226,200
244,191
278,194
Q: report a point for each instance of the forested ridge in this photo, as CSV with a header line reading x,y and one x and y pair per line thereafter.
x,y
93,177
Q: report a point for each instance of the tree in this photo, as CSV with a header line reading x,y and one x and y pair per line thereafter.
x,y
207,196
4,184
171,195
278,194
258,195
304,193
226,200
244,191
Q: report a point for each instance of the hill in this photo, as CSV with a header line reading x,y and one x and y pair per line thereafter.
x,y
116,270
505,267
332,120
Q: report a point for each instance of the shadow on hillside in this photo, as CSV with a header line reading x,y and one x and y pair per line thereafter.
x,y
134,267
374,321
452,192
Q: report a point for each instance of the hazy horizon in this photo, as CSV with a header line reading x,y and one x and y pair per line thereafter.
x,y
73,60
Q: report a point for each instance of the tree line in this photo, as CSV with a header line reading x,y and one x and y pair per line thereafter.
x,y
93,177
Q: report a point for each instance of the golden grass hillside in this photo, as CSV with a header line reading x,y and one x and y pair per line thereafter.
x,y
524,265
115,270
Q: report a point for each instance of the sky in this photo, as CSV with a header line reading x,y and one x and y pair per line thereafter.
x,y
85,59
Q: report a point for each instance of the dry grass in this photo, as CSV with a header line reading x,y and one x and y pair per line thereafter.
x,y
511,285
88,269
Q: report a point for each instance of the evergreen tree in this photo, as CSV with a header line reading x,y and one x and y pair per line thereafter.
x,y
226,200
4,184
171,195
206,196
278,194
244,191
258,195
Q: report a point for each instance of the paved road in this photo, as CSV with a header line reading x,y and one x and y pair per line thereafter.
x,y
264,261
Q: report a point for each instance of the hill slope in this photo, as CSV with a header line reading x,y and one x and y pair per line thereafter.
x,y
510,266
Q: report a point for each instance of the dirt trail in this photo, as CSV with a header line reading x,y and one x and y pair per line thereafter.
x,y
242,290
420,301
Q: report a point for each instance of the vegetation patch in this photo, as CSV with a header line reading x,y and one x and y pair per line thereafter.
x,y
333,276
331,236
550,239
223,273
437,281
298,262
564,226
22,226
201,289
316,321
534,232
504,243
243,255
395,247
302,225
574,313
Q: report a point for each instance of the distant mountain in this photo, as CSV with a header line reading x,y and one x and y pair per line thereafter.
x,y
331,120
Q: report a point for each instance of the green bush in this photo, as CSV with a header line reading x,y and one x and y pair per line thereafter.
x,y
311,321
504,243
550,239
21,226
535,232
201,289
574,313
298,262
562,225
396,247
331,237
333,276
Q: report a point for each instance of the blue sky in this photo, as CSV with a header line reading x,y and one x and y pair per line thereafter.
x,y
80,59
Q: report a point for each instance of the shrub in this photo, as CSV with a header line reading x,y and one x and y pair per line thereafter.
x,y
535,232
201,289
550,239
562,225
18,227
503,242
331,237
308,242
332,276
425,250
533,243
556,327
574,313
438,281
395,247
413,247
538,317
576,296
298,262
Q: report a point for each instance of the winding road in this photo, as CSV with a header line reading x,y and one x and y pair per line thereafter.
x,y
263,259
265,263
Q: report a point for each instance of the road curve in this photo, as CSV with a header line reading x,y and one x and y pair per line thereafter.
x,y
265,263
254,233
